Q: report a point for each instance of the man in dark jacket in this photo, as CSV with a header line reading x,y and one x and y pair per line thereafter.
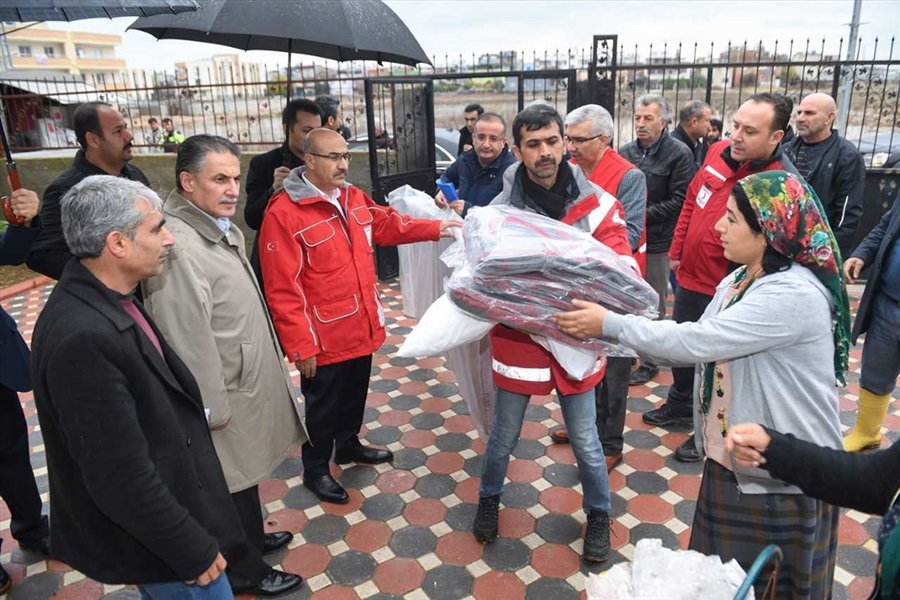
x,y
668,166
267,171
471,112
696,254
831,165
17,486
879,319
693,127
137,491
105,150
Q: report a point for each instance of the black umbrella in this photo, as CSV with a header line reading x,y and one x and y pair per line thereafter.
x,y
72,10
336,29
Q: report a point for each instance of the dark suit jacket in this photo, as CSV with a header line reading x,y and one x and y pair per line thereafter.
x,y
136,489
14,247
873,250
50,253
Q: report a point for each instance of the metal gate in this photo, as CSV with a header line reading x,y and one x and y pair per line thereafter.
x,y
400,122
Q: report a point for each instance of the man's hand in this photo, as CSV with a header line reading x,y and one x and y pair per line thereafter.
x,y
584,322
853,266
212,573
673,265
446,225
307,367
747,442
25,204
440,200
467,147
280,175
458,206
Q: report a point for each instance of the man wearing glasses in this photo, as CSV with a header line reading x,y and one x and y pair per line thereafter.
x,y
316,246
477,174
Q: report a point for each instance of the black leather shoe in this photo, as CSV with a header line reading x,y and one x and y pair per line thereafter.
x,y
275,541
643,374
363,454
687,451
5,581
327,489
41,547
276,583
664,415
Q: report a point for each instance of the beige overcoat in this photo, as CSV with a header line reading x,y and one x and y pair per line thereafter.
x,y
209,307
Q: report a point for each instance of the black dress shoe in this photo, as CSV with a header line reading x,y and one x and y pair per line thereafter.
x,y
687,451
275,541
327,489
363,454
42,546
5,581
276,583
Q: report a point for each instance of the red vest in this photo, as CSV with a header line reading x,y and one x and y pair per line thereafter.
x,y
608,174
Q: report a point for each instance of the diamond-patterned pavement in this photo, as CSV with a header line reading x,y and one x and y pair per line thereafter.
x,y
406,532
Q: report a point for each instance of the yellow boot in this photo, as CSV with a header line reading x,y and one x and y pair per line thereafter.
x,y
869,417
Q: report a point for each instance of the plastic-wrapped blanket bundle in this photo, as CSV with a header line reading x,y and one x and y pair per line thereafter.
x,y
524,268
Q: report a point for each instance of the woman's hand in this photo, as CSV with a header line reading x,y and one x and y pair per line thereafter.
x,y
747,443
584,322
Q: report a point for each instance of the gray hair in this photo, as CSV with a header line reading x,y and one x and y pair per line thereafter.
x,y
692,110
99,205
665,112
600,118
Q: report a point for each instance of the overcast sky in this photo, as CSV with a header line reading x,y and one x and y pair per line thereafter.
x,y
454,26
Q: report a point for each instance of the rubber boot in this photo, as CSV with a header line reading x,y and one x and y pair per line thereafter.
x,y
869,417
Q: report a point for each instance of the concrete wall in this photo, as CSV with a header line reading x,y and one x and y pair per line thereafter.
x,y
38,173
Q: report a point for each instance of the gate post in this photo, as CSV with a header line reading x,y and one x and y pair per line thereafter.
x,y
602,71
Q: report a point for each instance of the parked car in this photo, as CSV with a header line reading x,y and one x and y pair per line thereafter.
x,y
881,150
446,142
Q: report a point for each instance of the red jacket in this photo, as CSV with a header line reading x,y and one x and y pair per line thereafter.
x,y
608,175
519,364
696,243
319,269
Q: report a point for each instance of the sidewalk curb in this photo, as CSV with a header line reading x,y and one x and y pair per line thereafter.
x,y
24,286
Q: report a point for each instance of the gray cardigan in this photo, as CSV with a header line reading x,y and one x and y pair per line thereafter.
x,y
779,345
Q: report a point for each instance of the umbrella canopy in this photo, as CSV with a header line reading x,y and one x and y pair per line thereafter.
x,y
73,10
335,29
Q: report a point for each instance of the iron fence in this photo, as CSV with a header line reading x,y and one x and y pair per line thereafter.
x,y
244,103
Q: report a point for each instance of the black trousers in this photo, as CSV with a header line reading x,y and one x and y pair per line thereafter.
x,y
246,567
335,405
611,396
17,486
689,307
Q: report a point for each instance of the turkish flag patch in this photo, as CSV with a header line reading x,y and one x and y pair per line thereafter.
x,y
271,246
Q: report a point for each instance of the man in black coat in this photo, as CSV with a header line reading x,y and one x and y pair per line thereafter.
x,y
831,165
268,170
105,150
668,166
471,113
693,127
137,493
879,318
17,486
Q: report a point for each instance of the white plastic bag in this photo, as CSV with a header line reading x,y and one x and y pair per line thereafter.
x,y
442,327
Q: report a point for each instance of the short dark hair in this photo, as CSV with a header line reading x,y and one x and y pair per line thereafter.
x,y
289,114
477,107
167,120
489,116
717,123
534,117
192,153
87,120
152,120
773,261
328,106
782,105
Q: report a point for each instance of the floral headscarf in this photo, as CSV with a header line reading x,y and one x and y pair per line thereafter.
x,y
791,217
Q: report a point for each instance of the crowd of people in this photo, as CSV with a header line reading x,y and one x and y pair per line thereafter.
x,y
164,398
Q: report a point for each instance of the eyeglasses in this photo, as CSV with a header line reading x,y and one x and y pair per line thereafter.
x,y
335,156
580,140
488,138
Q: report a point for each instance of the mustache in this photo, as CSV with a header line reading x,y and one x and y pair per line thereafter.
x,y
545,161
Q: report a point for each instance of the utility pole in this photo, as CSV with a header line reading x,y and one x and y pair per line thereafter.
x,y
846,93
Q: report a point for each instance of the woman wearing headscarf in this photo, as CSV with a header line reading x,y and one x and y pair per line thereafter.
x,y
769,349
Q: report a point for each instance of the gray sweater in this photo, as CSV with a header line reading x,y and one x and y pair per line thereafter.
x,y
779,345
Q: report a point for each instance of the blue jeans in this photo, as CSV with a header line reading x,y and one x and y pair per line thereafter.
x,y
580,417
178,590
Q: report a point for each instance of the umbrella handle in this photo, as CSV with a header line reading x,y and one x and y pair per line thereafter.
x,y
16,184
